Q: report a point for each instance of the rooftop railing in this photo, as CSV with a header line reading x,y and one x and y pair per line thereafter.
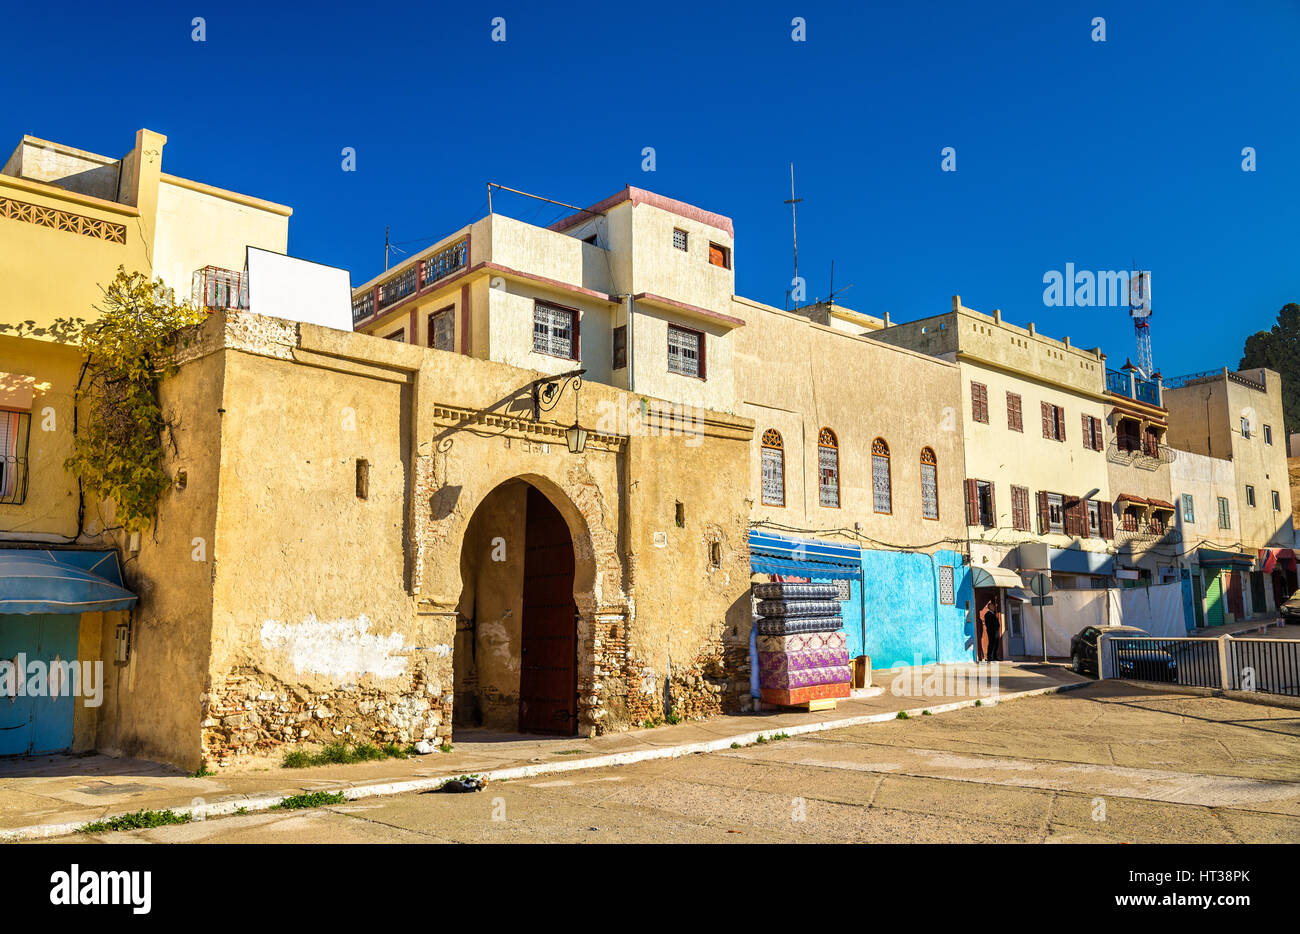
x,y
412,280
213,288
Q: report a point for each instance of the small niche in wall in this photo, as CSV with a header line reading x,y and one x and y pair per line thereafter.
x,y
363,478
715,554
679,513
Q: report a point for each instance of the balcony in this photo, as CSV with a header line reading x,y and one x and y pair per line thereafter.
x,y
214,288
1130,384
414,279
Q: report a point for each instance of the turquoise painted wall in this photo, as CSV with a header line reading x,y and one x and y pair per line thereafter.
x,y
904,618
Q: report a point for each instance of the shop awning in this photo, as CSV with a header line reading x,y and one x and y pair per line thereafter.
x,y
995,577
1270,558
1209,557
803,557
54,581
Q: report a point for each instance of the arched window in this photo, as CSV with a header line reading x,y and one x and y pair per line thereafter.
x,y
880,487
929,484
828,469
773,469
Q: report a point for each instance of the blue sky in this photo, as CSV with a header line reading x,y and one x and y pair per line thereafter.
x,y
1068,150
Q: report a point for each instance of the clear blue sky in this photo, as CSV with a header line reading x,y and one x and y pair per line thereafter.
x,y
1068,150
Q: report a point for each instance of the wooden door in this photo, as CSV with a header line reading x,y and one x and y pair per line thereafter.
x,y
548,687
39,719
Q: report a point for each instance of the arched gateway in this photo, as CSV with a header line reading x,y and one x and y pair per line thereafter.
x,y
517,634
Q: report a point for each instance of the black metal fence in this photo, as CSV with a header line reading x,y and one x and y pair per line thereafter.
x,y
1192,662
1270,665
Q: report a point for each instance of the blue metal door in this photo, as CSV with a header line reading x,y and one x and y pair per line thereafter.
x,y
35,719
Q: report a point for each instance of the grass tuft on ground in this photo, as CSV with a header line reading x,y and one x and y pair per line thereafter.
x,y
312,799
140,820
342,753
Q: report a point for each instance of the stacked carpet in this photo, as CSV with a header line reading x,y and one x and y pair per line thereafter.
x,y
802,651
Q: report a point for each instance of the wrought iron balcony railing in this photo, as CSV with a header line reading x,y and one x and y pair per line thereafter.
x,y
412,280
213,287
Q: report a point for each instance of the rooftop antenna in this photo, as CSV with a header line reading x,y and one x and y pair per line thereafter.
x,y
830,299
794,228
385,249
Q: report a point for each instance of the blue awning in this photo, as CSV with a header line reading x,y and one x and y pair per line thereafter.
x,y
33,581
803,557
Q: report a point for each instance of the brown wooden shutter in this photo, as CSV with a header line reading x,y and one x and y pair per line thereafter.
x,y
972,502
993,507
1044,520
1107,518
1067,507
1048,415
1087,432
1060,423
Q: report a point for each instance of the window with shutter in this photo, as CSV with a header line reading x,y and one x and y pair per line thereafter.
x,y
972,502
1043,522
880,480
685,351
1015,417
1107,516
988,507
773,468
929,484
828,469
979,403
1094,518
442,329
1020,508
1048,418
1055,513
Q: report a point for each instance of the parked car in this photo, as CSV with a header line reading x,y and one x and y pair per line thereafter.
x,y
1144,664
1291,609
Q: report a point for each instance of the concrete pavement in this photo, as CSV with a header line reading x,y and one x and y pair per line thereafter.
x,y
53,795
1108,762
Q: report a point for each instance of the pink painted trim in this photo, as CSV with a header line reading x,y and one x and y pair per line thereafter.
x,y
692,309
465,321
494,267
641,196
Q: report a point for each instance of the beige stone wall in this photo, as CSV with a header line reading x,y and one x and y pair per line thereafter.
x,y
791,376
331,617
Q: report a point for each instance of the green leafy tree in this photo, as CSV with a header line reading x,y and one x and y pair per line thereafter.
x,y
118,450
1279,349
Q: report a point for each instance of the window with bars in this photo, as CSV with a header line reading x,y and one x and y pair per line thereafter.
x,y
15,429
1189,508
1094,518
685,351
679,238
773,467
442,329
947,590
555,331
1225,516
979,403
880,482
1015,415
828,469
929,484
1151,442
1055,513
